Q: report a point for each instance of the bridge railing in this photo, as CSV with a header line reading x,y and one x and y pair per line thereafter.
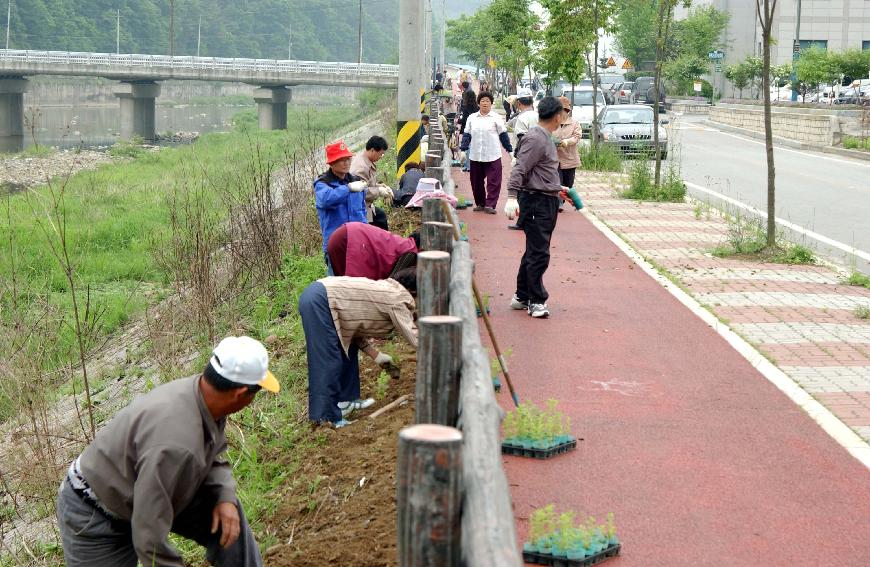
x,y
198,63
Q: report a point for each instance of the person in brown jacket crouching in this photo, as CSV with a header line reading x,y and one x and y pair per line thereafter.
x,y
156,468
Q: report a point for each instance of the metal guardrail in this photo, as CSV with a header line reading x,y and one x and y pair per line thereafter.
x,y
199,63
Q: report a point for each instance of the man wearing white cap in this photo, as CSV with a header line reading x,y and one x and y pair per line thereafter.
x,y
155,468
526,117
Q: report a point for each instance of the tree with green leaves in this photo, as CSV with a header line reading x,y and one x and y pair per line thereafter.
x,y
692,39
738,74
817,66
765,11
633,30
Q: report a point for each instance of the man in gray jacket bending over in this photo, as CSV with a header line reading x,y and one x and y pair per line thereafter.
x,y
155,468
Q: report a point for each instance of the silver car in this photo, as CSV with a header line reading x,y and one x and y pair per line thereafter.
x,y
629,128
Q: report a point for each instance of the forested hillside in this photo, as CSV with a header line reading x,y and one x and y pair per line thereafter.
x,y
321,29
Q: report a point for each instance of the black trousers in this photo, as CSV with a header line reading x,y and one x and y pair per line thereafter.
x,y
380,219
567,176
538,213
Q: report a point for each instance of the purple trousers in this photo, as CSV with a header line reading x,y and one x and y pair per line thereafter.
x,y
486,182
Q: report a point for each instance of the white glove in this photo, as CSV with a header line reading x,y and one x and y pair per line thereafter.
x,y
386,191
513,162
385,361
569,142
356,186
383,358
462,156
511,208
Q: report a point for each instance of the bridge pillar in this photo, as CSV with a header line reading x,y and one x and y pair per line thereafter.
x,y
137,109
12,91
272,107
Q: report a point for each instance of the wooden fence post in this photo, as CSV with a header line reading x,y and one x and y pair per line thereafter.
x,y
439,359
437,236
433,211
433,283
428,496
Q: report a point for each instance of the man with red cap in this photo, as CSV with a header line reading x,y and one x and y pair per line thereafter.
x,y
340,197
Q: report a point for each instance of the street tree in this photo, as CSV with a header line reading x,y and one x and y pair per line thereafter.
x,y
635,37
765,10
693,38
816,66
738,75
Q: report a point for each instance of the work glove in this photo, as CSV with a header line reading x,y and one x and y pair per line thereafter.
x,y
385,191
463,156
513,162
511,208
357,186
385,361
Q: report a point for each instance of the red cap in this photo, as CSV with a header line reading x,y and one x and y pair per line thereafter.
x,y
337,151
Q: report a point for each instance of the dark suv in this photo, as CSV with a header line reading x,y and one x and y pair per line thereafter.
x,y
644,92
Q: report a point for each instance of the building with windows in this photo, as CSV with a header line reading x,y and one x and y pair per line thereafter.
x,y
831,24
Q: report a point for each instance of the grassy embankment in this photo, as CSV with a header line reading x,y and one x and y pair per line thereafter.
x,y
122,224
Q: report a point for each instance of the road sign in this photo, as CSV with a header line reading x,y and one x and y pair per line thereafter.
x,y
698,86
718,67
611,62
716,55
796,46
627,64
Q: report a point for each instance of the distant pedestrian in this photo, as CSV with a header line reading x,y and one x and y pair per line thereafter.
x,y
526,117
157,467
485,135
338,195
534,188
414,172
468,107
364,166
568,136
360,250
339,316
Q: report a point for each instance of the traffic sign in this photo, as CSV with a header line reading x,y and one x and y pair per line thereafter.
x,y
611,62
627,64
718,67
716,55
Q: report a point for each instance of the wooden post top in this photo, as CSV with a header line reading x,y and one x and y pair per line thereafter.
x,y
430,433
433,255
439,319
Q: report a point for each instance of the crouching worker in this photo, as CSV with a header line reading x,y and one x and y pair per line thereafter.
x,y
155,468
361,250
339,316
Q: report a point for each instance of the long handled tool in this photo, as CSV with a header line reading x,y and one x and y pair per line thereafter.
x,y
486,321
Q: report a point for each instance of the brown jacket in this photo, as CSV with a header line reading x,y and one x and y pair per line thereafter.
x,y
570,130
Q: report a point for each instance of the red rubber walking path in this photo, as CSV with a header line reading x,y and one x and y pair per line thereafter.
x,y
701,459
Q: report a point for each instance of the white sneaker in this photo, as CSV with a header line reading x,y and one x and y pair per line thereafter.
x,y
517,304
539,310
348,408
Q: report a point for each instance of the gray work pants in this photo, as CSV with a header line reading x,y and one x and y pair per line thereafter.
x,y
91,539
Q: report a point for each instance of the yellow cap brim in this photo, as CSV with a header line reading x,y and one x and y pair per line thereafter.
x,y
270,383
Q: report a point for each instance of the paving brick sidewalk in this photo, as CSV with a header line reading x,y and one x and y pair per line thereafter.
x,y
801,317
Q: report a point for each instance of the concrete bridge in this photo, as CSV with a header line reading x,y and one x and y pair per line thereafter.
x,y
138,87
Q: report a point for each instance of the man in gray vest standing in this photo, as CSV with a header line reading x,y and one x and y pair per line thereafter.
x,y
156,468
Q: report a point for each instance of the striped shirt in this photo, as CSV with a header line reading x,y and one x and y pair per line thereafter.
x,y
363,308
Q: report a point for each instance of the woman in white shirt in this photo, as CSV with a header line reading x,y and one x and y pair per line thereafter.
x,y
484,137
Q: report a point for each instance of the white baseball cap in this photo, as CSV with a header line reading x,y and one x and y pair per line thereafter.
x,y
244,361
524,92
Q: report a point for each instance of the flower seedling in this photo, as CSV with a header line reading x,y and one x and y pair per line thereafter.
x,y
536,433
560,539
485,305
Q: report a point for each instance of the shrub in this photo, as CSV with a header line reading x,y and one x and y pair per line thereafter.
x,y
797,254
600,158
859,279
672,189
128,148
862,312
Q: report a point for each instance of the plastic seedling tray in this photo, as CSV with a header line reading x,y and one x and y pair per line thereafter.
x,y
535,453
549,559
496,383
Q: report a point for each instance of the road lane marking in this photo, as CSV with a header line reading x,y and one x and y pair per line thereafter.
x,y
790,225
829,422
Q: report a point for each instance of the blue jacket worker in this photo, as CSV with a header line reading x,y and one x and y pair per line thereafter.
x,y
340,197
339,316
156,468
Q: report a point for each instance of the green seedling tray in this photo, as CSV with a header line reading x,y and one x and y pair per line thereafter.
x,y
548,558
496,383
519,451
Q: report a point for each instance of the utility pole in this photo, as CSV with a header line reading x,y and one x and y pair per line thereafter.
x,y
411,60
796,53
8,21
290,42
359,40
199,35
443,33
171,27
118,33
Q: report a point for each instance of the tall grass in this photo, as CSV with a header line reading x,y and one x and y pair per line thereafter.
x,y
600,157
642,186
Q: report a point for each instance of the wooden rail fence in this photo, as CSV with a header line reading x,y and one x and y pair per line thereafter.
x,y
453,502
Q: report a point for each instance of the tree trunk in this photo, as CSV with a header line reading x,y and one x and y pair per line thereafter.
x,y
593,130
768,135
661,36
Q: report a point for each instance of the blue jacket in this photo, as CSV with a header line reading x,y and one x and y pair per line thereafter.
x,y
336,204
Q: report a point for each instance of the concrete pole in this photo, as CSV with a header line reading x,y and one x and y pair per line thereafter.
x,y
198,35
408,125
796,53
137,102
8,21
441,59
12,91
359,39
118,33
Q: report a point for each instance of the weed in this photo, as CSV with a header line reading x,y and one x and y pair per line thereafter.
x,y
862,312
382,385
797,254
600,158
853,143
641,186
859,279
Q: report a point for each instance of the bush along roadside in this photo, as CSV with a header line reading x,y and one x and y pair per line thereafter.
x,y
600,158
531,432
859,279
853,143
641,186
747,237
562,540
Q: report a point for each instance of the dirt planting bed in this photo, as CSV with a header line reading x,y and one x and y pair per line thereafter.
x,y
341,508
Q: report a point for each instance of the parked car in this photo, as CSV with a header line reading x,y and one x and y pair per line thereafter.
x,y
581,106
629,128
644,92
606,82
623,96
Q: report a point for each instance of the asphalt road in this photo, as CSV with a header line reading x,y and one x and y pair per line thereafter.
x,y
826,194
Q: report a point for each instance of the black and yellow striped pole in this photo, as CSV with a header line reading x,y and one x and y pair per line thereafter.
x,y
411,96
